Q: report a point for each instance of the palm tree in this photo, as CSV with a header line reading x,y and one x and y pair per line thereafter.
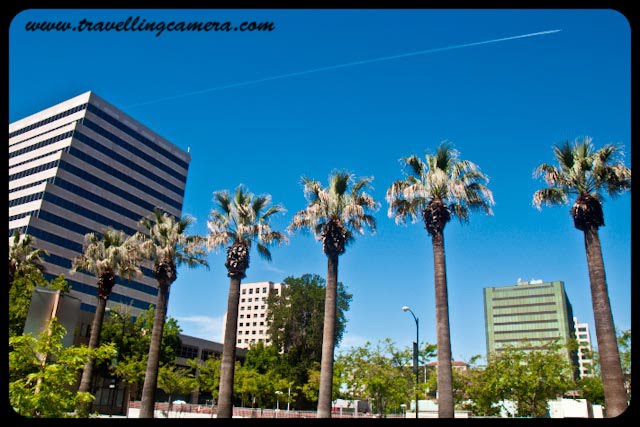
x,y
167,245
22,255
105,256
436,189
238,221
333,215
586,174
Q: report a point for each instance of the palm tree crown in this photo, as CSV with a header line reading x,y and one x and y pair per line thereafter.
x,y
168,245
22,254
586,174
242,220
108,255
336,212
440,186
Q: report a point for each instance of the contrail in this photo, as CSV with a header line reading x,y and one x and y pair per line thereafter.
x,y
348,64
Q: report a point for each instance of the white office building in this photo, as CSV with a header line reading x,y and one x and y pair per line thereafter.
x,y
252,313
583,336
81,166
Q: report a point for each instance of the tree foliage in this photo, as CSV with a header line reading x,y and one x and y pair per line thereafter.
x,y
43,374
174,381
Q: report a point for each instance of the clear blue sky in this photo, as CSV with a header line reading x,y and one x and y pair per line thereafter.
x,y
502,105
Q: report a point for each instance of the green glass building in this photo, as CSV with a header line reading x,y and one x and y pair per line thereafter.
x,y
527,315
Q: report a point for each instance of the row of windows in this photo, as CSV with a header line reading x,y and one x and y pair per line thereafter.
x,y
48,120
32,184
247,341
249,307
137,152
41,144
187,351
527,331
101,201
527,313
33,170
523,289
70,206
205,354
250,299
126,162
249,316
91,290
66,263
526,322
264,290
86,176
124,177
39,157
21,230
146,141
252,332
528,339
523,297
248,324
26,199
524,305
21,215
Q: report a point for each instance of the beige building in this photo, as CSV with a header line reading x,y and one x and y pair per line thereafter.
x,y
585,360
252,313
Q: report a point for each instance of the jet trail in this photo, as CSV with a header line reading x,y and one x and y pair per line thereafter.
x,y
348,64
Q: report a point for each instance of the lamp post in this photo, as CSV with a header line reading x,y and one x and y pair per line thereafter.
x,y
415,352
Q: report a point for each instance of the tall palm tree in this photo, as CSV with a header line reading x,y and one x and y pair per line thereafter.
x,y
238,222
168,246
107,256
22,255
333,215
441,186
587,174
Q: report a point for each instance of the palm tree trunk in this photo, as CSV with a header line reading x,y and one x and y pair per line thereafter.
x,y
87,372
227,365
612,380
147,405
328,339
445,379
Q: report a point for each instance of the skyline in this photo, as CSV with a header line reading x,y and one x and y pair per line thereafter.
x,y
502,105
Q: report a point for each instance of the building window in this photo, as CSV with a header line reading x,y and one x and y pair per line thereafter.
x,y
253,332
250,291
264,290
255,307
255,323
242,300
242,308
261,314
187,351
242,316
244,291
262,307
239,341
241,324
261,323
250,299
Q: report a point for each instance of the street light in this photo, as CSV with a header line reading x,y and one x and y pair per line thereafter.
x,y
415,352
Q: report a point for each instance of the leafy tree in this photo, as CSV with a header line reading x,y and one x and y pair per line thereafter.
x,y
208,375
43,374
587,174
132,339
624,346
295,320
175,381
379,373
168,246
107,256
528,377
334,214
238,221
436,189
591,389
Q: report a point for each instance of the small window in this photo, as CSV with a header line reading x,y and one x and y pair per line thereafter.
x,y
239,341
241,324
244,291
242,316
253,332
255,307
255,323
242,300
250,299
264,290
250,291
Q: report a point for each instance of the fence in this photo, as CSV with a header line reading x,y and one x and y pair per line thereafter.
x,y
187,410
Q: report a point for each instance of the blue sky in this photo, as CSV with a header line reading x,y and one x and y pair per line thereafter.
x,y
502,105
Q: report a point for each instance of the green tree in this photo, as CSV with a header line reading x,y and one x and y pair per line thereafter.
x,y
208,375
591,389
530,378
587,174
624,347
43,374
379,373
434,190
238,221
175,381
132,339
168,246
334,214
106,256
295,319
